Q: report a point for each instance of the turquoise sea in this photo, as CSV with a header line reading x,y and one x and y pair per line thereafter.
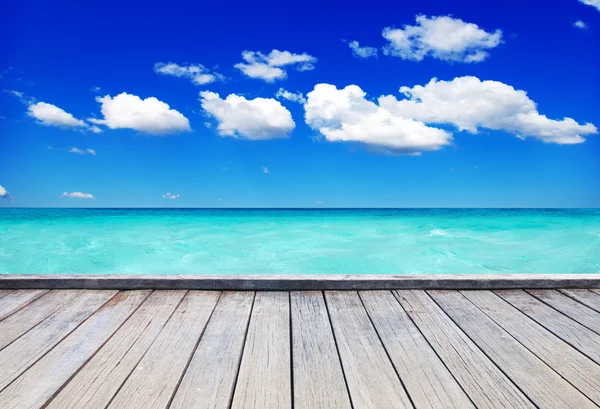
x,y
357,241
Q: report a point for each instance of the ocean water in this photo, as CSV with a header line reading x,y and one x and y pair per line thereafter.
x,y
381,241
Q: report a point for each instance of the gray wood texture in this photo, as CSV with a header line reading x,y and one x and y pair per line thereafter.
x,y
318,378
479,377
291,282
25,351
15,300
32,314
585,296
94,386
545,387
371,377
567,329
210,379
570,307
428,382
264,378
42,380
155,378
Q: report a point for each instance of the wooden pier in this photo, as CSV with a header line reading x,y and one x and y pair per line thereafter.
x,y
295,349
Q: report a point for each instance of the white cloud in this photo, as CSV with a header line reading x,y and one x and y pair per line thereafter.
x,y
265,170
319,202
259,118
170,196
4,193
345,115
580,24
362,52
96,89
470,104
268,67
51,115
95,129
593,3
78,195
290,96
441,37
151,116
83,151
197,73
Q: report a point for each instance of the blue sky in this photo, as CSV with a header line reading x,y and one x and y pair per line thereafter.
x,y
186,104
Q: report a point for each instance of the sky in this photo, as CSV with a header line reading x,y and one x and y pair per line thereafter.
x,y
311,104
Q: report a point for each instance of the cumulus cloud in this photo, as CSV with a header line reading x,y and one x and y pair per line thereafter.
x,y
150,116
580,24
470,104
345,115
441,37
170,196
362,52
51,115
271,67
78,195
290,96
593,3
4,193
82,151
259,118
197,73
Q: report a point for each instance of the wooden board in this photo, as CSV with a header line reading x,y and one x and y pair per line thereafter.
x,y
539,382
587,297
479,377
570,307
318,378
570,331
372,380
32,314
210,378
26,350
36,386
155,378
428,382
99,380
15,300
264,378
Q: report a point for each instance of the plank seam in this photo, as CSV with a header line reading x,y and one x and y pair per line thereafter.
x,y
337,348
193,350
386,351
93,355
26,304
483,352
524,346
562,291
61,340
394,293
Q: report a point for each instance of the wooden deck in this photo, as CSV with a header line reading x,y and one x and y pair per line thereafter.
x,y
379,349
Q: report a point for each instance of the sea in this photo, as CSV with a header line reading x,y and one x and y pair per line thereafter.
x,y
299,241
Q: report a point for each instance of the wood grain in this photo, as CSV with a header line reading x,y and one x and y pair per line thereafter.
x,y
570,307
15,300
586,297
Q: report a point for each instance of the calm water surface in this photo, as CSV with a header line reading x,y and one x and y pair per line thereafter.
x,y
201,241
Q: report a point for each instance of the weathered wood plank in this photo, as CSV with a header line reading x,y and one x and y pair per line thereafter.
x,y
36,386
537,380
210,378
15,300
570,331
25,351
318,378
571,308
264,378
372,380
292,282
425,377
155,378
99,380
4,293
586,297
479,377
29,316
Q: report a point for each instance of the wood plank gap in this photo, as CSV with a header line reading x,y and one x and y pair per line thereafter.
x,y
17,300
585,297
